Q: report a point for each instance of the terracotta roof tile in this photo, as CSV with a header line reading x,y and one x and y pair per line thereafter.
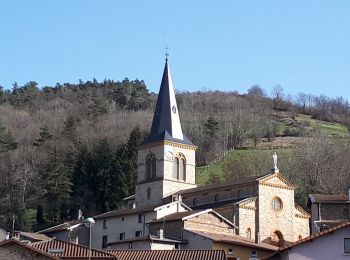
x,y
69,250
234,239
169,254
312,237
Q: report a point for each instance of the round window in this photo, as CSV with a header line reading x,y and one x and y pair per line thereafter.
x,y
277,204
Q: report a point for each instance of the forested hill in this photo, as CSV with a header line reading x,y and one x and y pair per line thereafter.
x,y
74,145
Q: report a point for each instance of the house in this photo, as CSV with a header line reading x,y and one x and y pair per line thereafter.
x,y
129,223
29,237
169,254
205,220
16,250
235,247
333,243
149,242
328,211
72,231
70,251
4,232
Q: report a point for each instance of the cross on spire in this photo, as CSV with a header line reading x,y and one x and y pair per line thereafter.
x,y
166,51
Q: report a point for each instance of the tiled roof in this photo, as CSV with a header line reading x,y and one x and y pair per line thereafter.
x,y
69,250
27,247
175,216
326,224
147,238
35,236
317,198
169,254
312,237
121,212
234,239
223,185
60,227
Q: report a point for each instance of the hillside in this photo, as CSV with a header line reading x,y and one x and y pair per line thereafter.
x,y
74,146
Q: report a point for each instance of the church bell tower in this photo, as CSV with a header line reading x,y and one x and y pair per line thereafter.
x,y
166,158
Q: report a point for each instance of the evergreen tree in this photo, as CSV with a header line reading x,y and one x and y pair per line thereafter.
x,y
45,135
126,161
57,181
7,141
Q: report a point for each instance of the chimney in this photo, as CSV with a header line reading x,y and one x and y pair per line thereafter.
x,y
133,204
80,214
16,235
161,233
257,238
7,236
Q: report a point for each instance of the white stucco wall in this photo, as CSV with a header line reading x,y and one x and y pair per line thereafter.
x,y
326,247
116,225
3,234
196,241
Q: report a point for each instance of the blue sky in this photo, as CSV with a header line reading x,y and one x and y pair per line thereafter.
x,y
226,45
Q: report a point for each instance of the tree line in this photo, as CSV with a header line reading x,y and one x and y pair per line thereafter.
x,y
73,146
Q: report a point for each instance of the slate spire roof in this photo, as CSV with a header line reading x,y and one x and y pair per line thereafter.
x,y
166,124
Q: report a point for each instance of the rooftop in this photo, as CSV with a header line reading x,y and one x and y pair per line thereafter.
x,y
148,238
63,249
169,254
63,226
317,198
234,239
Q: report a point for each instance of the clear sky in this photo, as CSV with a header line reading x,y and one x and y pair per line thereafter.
x,y
227,45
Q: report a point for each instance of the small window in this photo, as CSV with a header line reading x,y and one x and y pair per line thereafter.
x,y
216,198
230,251
174,109
277,204
254,253
347,245
249,233
138,233
122,218
104,223
122,236
140,218
130,245
300,237
104,242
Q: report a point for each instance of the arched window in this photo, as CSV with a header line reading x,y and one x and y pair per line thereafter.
x,y
151,166
175,167
249,233
179,167
154,165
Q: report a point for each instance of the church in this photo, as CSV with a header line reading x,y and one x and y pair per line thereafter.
x,y
168,204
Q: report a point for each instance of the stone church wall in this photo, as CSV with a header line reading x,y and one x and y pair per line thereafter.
x,y
271,221
208,223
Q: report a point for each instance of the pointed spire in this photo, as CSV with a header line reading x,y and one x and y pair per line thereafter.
x,y
166,121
